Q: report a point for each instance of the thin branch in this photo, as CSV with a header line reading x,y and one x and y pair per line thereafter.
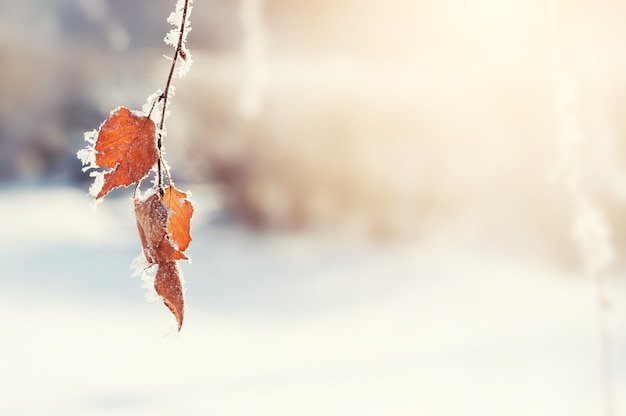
x,y
165,95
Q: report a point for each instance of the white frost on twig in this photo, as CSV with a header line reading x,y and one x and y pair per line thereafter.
x,y
174,35
153,103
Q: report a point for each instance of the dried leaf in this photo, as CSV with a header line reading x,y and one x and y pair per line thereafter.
x,y
179,222
152,216
124,151
126,143
168,285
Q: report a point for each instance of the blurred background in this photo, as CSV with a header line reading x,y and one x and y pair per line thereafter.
x,y
402,207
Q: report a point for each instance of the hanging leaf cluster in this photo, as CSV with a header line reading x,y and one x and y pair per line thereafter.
x,y
126,146
125,150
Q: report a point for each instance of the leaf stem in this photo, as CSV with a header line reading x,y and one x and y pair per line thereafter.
x,y
165,95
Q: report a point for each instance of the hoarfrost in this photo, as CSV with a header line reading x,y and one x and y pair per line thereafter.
x,y
171,39
175,19
87,156
174,39
152,103
97,184
142,197
155,180
167,167
140,267
183,66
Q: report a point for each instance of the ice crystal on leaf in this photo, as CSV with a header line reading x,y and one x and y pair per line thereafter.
x,y
96,186
87,156
126,144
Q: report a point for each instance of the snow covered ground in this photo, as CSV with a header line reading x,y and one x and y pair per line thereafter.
x,y
290,325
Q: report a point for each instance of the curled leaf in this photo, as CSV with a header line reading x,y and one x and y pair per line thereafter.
x,y
152,216
169,286
126,143
179,221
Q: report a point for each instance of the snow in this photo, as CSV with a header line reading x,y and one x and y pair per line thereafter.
x,y
291,324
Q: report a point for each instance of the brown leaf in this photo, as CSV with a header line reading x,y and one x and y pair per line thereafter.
x,y
179,222
168,285
126,143
152,216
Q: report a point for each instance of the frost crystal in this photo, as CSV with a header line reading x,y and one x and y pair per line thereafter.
x,y
173,36
143,269
97,184
171,39
143,196
152,103
87,156
182,66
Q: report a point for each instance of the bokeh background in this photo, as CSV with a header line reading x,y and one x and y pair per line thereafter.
x,y
402,207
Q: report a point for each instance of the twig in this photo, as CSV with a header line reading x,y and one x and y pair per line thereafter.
x,y
164,96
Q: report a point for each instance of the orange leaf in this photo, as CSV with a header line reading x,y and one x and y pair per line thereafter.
x,y
152,215
169,286
126,143
179,221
